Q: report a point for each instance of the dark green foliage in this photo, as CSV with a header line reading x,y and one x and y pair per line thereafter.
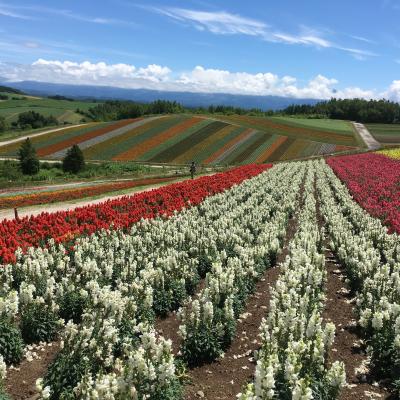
x,y
58,97
204,266
38,323
72,305
3,124
11,344
32,119
29,162
65,372
202,346
169,297
115,110
379,111
7,89
74,160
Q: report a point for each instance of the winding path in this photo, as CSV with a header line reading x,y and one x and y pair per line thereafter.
x,y
366,136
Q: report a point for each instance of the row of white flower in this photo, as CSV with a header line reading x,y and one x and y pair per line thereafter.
x,y
292,361
208,322
372,260
121,279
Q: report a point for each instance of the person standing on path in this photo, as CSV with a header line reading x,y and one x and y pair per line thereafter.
x,y
192,169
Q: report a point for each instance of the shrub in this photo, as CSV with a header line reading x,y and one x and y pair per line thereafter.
x,y
72,305
11,344
74,161
28,159
38,323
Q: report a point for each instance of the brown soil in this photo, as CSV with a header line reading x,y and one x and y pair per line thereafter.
x,y
21,384
347,347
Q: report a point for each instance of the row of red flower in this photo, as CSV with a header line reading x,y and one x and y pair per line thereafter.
x,y
30,199
374,182
120,213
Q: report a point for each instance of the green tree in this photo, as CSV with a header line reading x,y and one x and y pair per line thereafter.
x,y
28,159
74,160
3,124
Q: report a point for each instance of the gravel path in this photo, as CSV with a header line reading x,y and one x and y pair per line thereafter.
x,y
369,140
21,138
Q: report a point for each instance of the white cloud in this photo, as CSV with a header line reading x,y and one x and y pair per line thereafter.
x,y
224,23
199,79
393,91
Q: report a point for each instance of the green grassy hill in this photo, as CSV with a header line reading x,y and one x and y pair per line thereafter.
x,y
63,110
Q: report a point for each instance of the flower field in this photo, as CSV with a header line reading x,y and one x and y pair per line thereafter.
x,y
374,182
257,283
54,196
180,139
391,153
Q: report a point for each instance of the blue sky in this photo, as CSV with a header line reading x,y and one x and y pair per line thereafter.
x,y
291,48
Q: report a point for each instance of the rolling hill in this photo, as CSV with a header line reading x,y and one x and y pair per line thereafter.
x,y
63,110
179,139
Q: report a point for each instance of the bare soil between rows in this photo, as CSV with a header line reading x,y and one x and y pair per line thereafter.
x,y
20,383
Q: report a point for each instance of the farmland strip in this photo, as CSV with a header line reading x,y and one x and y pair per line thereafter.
x,y
265,155
261,149
278,153
269,126
248,151
45,151
108,136
234,145
50,138
153,152
110,148
224,136
213,158
135,152
196,150
184,145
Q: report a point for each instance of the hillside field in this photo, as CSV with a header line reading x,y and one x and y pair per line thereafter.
x,y
179,139
62,110
385,133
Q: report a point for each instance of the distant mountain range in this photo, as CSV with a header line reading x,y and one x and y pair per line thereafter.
x,y
188,99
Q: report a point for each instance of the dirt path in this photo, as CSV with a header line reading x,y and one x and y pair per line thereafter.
x,y
21,138
366,136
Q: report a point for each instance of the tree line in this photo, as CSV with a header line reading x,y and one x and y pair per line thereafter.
x,y
360,110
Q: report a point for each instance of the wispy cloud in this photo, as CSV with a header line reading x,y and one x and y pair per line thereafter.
x,y
225,23
12,11
6,12
363,39
219,22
